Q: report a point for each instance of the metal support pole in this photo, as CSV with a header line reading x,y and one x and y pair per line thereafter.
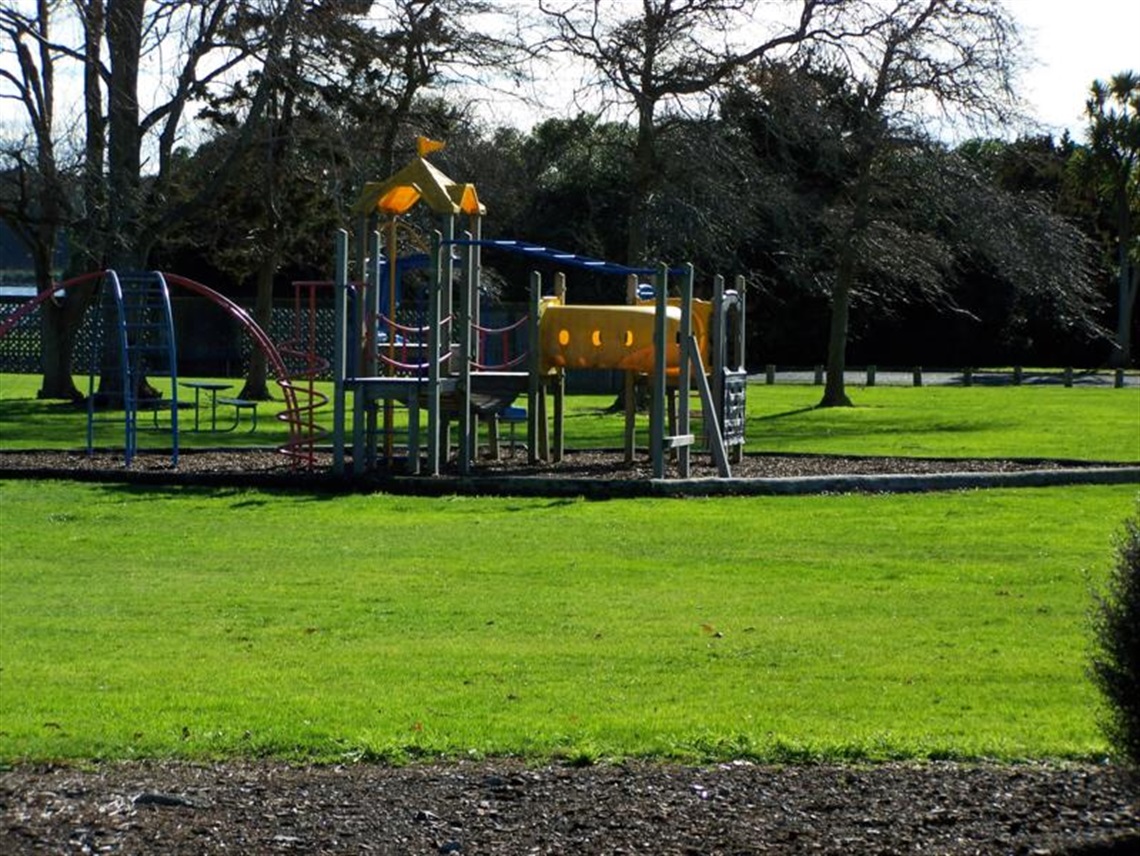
x,y
366,225
629,389
437,345
477,264
555,447
741,338
468,422
374,271
685,376
534,377
373,277
393,282
340,290
660,348
447,267
741,352
719,345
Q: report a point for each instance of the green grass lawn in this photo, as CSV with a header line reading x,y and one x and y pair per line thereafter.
x,y
1027,421
193,623
147,622
952,422
29,423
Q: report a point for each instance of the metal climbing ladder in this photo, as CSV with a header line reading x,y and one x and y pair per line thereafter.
x,y
137,341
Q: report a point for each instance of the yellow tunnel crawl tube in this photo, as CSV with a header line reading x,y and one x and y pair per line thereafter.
x,y
614,337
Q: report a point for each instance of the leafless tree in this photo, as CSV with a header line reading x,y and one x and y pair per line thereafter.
x,y
659,58
144,66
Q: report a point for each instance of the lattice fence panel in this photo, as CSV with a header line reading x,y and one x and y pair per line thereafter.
x,y
21,349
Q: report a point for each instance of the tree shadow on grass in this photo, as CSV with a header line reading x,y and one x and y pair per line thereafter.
x,y
240,496
783,415
48,422
883,423
553,503
28,407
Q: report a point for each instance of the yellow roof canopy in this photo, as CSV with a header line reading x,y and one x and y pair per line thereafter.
x,y
418,180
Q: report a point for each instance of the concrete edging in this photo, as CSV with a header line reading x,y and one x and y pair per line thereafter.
x,y
540,486
793,486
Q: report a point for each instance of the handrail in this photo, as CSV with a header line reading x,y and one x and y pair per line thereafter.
x,y
510,328
508,362
291,416
397,364
397,327
560,257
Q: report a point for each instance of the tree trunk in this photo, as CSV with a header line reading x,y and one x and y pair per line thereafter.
x,y
124,152
62,319
59,319
92,251
835,391
645,177
59,332
278,130
124,159
1128,279
256,381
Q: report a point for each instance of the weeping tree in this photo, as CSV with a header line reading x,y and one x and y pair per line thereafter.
x,y
925,60
277,197
916,223
356,82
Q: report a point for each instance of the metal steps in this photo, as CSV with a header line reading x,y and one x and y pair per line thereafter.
x,y
137,347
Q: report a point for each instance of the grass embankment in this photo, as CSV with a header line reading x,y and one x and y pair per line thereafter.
x,y
148,622
989,422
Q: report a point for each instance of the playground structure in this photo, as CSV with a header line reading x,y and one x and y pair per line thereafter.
x,y
677,344
440,368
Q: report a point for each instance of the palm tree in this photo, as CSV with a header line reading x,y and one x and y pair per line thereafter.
x,y
1111,167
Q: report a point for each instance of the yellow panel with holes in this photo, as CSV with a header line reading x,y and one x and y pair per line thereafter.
x,y
613,337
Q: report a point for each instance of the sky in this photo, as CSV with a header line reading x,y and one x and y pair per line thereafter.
x,y
1070,43
1074,42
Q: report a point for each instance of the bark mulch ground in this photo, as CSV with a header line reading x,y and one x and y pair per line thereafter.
x,y
598,474
505,807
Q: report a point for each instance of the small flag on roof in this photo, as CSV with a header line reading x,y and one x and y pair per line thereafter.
x,y
425,146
